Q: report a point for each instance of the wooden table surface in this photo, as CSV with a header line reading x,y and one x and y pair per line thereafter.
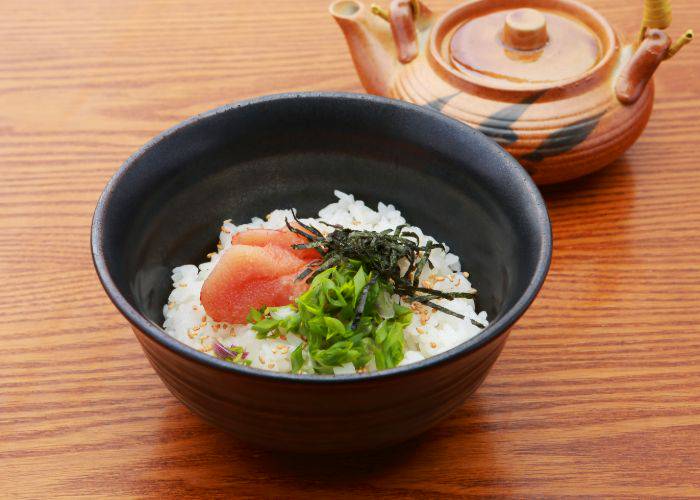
x,y
597,391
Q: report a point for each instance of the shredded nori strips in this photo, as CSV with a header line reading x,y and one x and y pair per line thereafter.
x,y
379,253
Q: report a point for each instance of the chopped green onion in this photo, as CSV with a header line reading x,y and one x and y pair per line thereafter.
x,y
297,358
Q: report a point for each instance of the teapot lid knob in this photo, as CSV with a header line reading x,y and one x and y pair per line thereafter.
x,y
525,29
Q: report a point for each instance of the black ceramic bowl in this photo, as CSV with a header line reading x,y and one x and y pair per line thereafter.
x,y
164,206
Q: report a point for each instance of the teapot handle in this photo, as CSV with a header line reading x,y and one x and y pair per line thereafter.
x,y
405,18
640,68
403,28
654,46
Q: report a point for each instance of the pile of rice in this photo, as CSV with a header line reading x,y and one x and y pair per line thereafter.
x,y
431,332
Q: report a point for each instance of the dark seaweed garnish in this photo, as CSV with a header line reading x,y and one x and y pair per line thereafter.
x,y
379,253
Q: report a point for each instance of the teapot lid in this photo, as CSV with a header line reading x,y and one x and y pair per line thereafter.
x,y
523,45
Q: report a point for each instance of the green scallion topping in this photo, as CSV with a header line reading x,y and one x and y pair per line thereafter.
x,y
342,320
350,313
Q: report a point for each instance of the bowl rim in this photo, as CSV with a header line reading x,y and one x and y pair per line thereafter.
x,y
158,335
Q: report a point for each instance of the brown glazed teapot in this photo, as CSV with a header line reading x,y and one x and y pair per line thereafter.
x,y
549,80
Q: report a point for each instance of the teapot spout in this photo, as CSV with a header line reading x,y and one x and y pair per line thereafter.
x,y
371,45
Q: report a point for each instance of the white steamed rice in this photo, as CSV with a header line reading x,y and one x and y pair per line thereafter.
x,y
430,333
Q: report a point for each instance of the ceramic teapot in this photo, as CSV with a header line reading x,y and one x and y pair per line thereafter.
x,y
550,80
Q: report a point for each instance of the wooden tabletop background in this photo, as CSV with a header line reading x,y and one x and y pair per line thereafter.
x,y
597,391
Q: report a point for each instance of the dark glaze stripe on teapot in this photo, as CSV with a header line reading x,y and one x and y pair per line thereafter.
x,y
498,125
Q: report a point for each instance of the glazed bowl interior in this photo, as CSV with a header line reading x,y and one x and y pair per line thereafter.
x,y
165,206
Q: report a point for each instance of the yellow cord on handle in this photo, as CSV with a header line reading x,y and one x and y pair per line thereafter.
x,y
379,11
657,14
683,40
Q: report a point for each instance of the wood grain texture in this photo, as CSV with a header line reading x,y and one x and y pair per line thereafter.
x,y
596,393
